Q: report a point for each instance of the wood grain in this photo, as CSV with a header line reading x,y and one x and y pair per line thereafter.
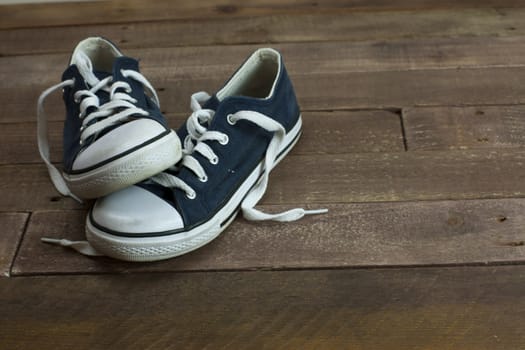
x,y
27,187
386,26
349,235
334,91
441,128
470,308
13,225
339,178
398,177
331,76
301,59
323,133
120,11
275,29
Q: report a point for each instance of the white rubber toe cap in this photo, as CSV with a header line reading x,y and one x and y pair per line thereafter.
x,y
135,210
118,141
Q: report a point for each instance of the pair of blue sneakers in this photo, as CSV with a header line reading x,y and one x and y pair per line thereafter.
x,y
158,199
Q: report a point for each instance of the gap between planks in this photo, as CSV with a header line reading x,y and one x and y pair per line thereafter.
x,y
13,227
476,127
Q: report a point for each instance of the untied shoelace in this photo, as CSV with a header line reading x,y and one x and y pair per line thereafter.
x,y
194,142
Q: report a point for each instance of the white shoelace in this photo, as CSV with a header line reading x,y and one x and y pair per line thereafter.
x,y
198,133
96,121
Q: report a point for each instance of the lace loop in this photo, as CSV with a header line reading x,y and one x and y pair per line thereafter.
x,y
194,142
196,125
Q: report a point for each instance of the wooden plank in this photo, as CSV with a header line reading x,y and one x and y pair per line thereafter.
x,y
20,143
120,11
31,189
327,91
13,225
471,308
324,133
349,235
441,128
340,178
301,58
399,176
350,132
410,88
355,27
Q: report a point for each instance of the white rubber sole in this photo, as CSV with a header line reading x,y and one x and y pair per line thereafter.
x,y
128,170
165,247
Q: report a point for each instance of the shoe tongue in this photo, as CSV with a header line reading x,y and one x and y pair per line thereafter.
x,y
212,103
123,63
100,74
92,76
85,68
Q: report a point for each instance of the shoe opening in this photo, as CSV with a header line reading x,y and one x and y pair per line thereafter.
x,y
100,52
256,78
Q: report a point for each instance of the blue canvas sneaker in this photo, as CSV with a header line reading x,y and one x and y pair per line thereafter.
x,y
232,141
114,132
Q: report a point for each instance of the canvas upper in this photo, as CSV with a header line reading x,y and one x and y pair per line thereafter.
x,y
114,132
73,124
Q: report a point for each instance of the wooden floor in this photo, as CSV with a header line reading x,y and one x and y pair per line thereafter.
x,y
414,138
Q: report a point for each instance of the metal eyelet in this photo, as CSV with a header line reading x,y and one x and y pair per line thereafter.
x,y
214,161
191,195
230,119
204,178
224,140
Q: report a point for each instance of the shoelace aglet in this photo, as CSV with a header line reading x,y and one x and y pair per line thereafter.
x,y
70,194
316,211
83,247
53,240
